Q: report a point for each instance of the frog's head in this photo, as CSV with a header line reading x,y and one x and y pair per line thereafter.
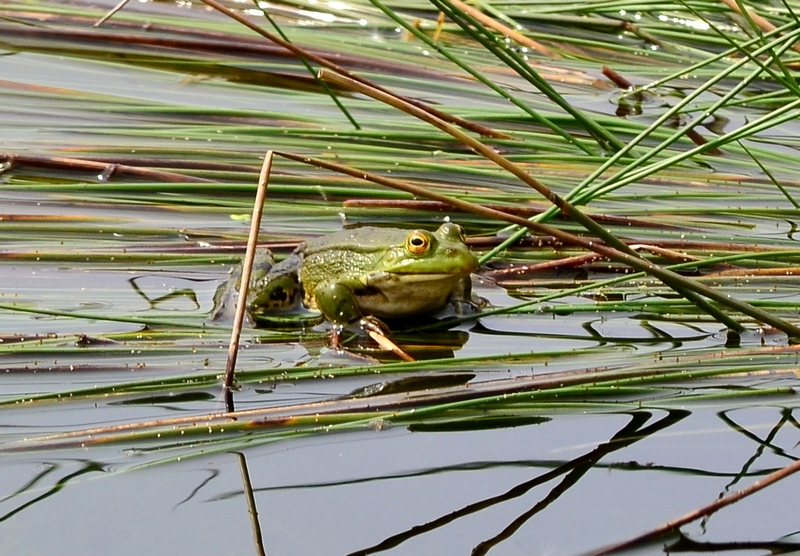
x,y
441,252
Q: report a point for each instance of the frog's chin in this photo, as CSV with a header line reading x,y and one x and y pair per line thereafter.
x,y
390,295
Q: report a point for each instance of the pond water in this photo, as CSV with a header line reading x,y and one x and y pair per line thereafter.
x,y
110,364
554,487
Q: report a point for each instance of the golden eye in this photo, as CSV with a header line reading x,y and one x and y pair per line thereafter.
x,y
417,242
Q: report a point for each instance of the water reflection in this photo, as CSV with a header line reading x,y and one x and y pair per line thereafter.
x,y
640,426
156,301
251,504
410,491
570,472
686,544
577,331
88,467
767,443
212,474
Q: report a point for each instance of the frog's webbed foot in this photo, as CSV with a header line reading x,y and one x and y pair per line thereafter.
x,y
370,325
463,307
373,324
336,336
376,330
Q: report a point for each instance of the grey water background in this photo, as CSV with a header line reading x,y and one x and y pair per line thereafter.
x,y
387,491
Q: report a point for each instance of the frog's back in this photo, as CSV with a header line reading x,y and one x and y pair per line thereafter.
x,y
331,263
343,255
368,239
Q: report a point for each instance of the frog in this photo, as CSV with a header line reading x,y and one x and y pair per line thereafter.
x,y
226,295
367,274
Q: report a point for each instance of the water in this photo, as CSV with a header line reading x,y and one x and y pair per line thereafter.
x,y
421,493
107,285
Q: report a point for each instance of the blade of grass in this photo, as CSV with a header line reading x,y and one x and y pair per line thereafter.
x,y
582,193
771,177
485,151
244,284
517,63
310,70
301,52
506,31
358,412
479,76
616,246
668,277
704,511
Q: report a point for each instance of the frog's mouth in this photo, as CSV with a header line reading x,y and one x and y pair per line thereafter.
x,y
424,277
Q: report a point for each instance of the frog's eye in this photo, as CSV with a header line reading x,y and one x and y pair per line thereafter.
x,y
417,243
452,232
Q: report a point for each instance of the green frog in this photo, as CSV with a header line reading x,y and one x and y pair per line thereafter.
x,y
369,273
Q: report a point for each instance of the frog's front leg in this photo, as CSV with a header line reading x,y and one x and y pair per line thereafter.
x,y
462,297
335,300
